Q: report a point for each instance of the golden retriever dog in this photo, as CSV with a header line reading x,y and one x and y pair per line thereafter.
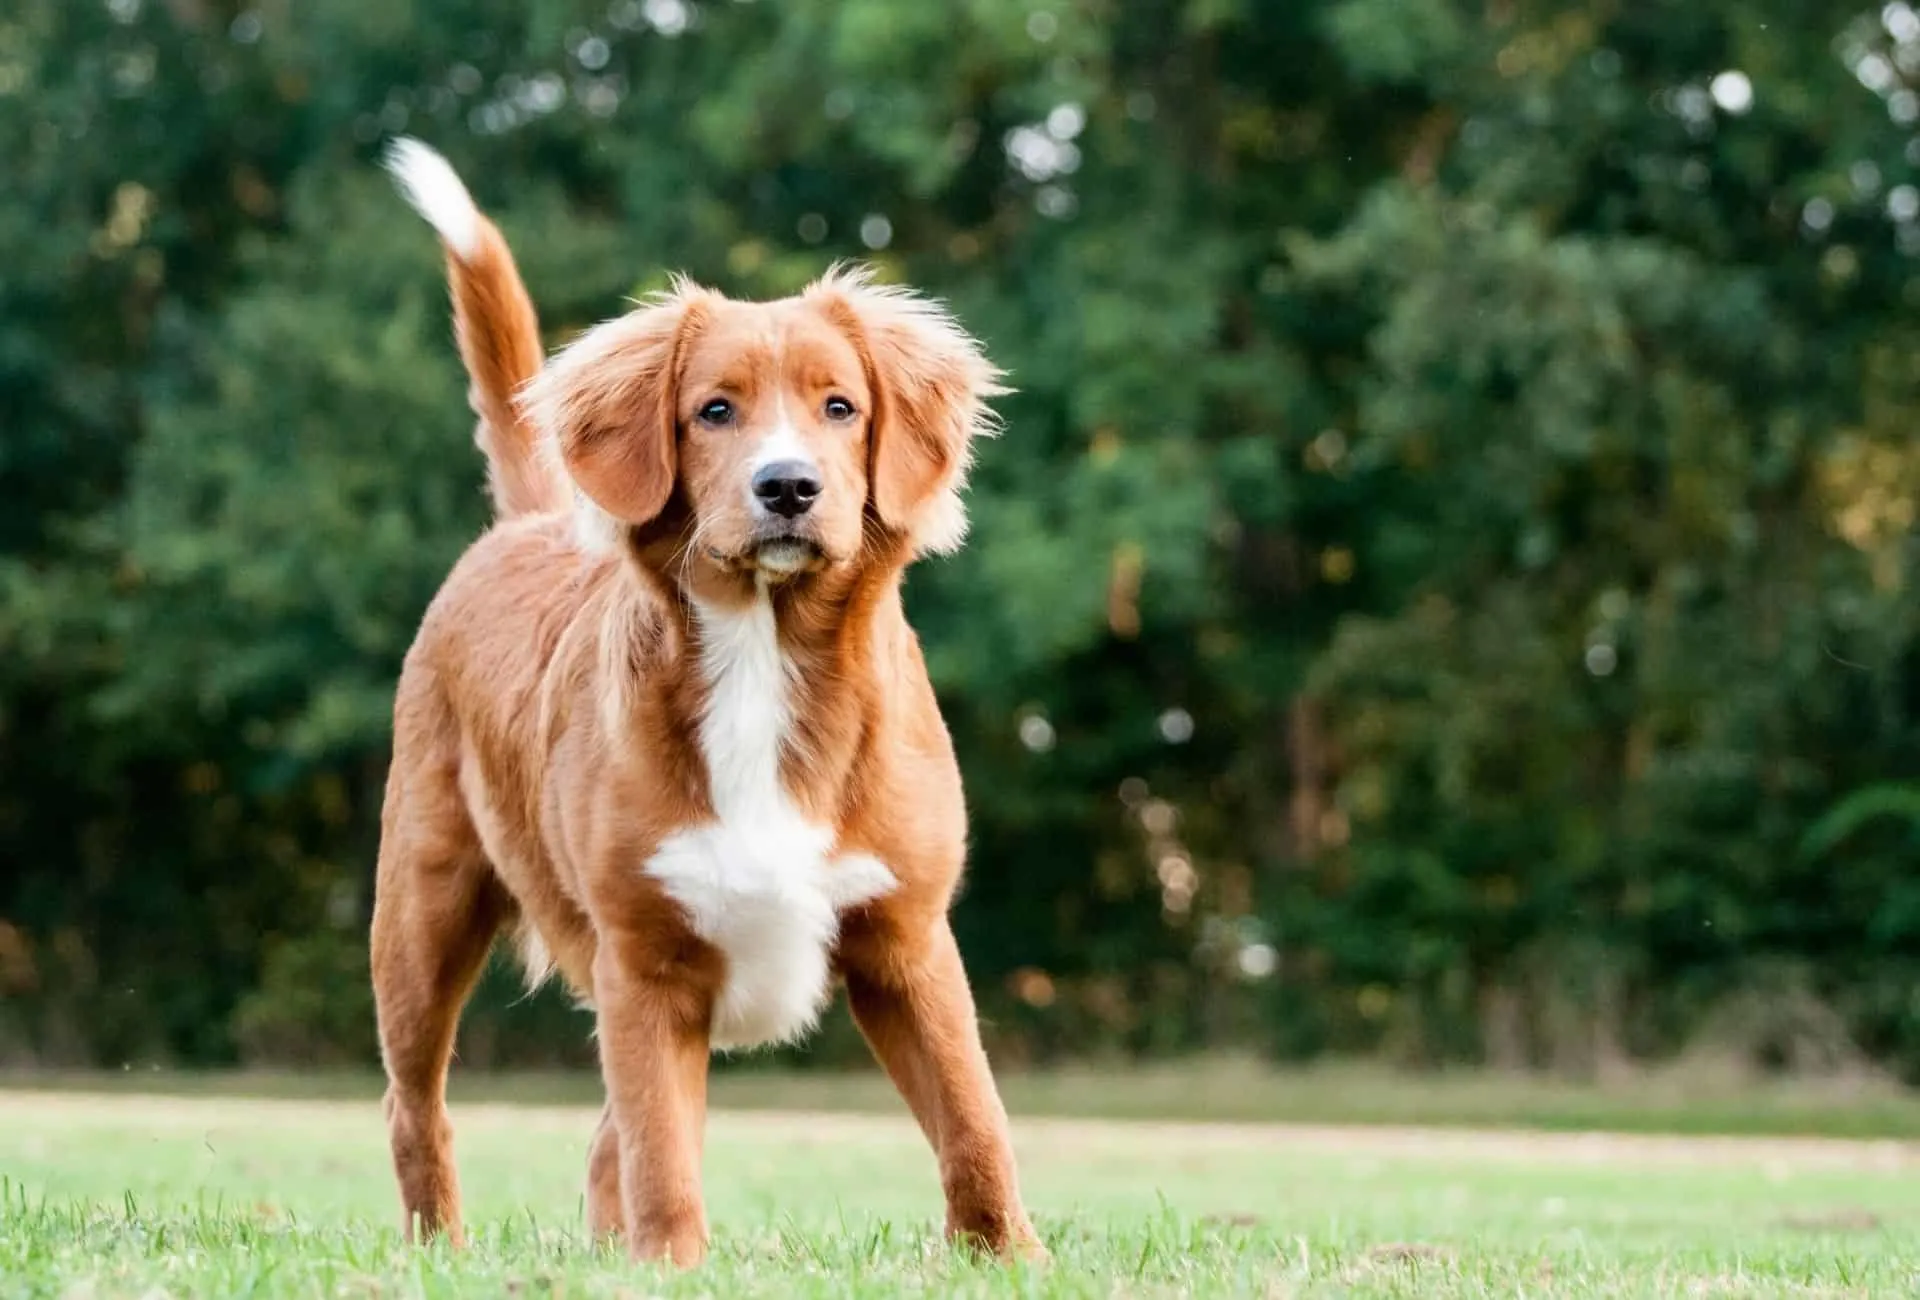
x,y
665,722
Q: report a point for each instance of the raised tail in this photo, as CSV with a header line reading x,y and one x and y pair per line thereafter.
x,y
499,334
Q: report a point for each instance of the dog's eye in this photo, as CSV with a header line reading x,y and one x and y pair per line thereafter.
x,y
717,412
839,409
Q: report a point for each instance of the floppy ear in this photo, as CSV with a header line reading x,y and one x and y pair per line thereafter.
x,y
607,403
930,381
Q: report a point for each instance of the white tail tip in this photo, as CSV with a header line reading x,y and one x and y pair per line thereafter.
x,y
436,192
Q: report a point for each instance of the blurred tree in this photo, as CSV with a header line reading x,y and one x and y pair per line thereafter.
x,y
1445,586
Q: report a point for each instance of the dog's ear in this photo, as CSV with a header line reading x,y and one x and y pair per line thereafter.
x,y
930,381
608,403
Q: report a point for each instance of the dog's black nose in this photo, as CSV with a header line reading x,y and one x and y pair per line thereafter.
x,y
788,488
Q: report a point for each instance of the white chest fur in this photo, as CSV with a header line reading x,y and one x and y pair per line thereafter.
x,y
759,882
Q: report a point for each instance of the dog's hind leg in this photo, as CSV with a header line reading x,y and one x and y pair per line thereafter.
x,y
606,1218
437,908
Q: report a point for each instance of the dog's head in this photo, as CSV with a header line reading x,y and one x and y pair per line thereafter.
x,y
778,439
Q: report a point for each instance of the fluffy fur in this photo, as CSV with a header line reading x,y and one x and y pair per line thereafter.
x,y
678,742
757,883
498,334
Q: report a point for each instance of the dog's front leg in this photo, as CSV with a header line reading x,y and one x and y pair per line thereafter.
x,y
911,1000
653,1032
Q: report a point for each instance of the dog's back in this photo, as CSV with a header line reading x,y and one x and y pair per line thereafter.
x,y
505,655
491,700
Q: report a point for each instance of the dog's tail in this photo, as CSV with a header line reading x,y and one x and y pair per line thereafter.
x,y
498,332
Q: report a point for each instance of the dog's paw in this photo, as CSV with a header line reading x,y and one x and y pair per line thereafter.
x,y
1008,1242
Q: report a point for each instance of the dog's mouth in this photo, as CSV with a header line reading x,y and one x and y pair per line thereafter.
x,y
783,557
776,558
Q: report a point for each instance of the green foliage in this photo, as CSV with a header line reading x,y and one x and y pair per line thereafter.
x,y
1445,587
313,1006
1891,803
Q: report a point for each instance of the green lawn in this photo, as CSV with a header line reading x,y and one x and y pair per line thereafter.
x,y
146,1196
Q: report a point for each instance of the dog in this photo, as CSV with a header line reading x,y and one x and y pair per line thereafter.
x,y
665,722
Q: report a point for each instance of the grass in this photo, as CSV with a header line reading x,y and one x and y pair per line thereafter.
x,y
138,1195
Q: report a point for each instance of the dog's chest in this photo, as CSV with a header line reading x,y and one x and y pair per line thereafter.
x,y
760,882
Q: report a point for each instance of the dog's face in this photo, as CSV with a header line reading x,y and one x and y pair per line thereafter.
x,y
774,417
780,439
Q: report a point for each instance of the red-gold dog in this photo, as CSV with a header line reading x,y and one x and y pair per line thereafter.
x,y
666,721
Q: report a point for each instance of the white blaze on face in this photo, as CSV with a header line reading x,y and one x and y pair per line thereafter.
x,y
782,443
